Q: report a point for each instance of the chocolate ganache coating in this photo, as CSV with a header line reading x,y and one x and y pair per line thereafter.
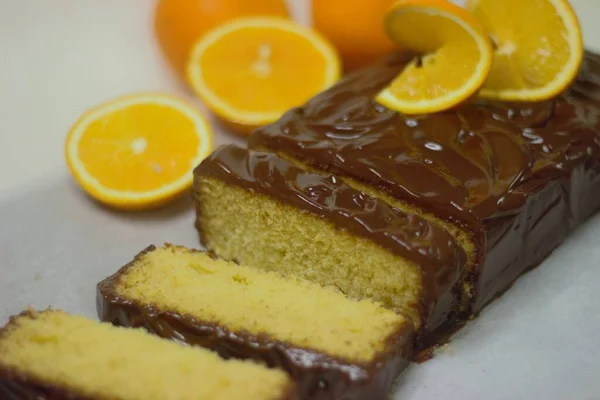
x,y
18,387
441,260
318,376
517,178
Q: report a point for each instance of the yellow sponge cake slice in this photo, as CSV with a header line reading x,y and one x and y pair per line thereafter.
x,y
52,354
330,343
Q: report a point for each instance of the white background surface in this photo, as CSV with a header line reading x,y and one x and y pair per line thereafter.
x,y
60,57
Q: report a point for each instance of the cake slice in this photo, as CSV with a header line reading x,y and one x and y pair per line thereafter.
x,y
54,355
261,210
334,347
508,181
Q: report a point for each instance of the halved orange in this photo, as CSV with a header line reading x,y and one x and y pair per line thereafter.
x,y
138,152
179,23
539,47
454,56
251,70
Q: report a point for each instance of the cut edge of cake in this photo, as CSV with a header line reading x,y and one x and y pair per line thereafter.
x,y
54,354
466,239
303,219
314,370
534,169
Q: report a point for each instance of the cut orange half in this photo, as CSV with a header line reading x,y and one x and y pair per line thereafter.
x,y
251,70
539,47
137,152
454,56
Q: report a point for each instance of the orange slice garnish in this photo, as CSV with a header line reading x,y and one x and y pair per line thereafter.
x,y
251,70
539,47
455,56
138,152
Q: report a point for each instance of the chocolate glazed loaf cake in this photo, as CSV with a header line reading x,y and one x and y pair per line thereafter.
x,y
261,210
333,347
508,181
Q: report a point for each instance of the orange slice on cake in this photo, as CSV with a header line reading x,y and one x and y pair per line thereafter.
x,y
138,152
251,70
538,47
454,56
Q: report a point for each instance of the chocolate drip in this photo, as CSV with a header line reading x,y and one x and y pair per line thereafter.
x,y
13,387
430,248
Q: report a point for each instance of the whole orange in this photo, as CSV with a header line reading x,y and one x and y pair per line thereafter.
x,y
355,28
179,23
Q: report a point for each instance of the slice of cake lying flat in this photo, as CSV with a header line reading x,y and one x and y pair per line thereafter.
x,y
263,211
335,348
54,355
508,181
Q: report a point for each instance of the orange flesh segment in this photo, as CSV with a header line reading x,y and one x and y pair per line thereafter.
x,y
251,70
451,55
454,56
263,69
137,152
534,46
133,149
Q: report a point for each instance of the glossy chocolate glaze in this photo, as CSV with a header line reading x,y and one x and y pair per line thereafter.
x,y
440,259
318,376
516,178
16,387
